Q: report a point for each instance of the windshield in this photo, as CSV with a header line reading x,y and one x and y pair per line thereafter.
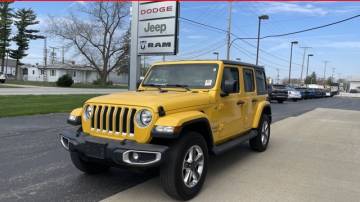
x,y
201,76
279,87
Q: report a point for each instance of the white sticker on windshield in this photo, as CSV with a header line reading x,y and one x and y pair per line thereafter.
x,y
208,82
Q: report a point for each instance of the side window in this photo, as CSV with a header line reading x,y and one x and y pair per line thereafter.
x,y
231,77
249,80
260,82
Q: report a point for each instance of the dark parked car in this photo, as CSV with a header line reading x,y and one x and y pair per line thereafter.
x,y
318,93
304,92
278,93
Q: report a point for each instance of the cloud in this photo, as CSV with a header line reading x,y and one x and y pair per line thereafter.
x,y
340,44
308,9
196,36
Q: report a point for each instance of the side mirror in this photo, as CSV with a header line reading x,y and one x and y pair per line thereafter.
x,y
139,82
228,87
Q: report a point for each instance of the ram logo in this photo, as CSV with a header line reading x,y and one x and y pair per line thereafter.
x,y
142,45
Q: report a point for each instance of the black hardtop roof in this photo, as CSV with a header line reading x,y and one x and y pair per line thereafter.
x,y
231,62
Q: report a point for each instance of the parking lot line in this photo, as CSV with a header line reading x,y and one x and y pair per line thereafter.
x,y
312,157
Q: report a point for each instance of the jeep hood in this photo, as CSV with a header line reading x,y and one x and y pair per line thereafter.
x,y
170,100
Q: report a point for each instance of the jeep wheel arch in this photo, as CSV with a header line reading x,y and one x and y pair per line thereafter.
x,y
265,108
202,126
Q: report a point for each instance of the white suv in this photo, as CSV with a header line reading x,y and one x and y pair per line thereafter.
x,y
2,77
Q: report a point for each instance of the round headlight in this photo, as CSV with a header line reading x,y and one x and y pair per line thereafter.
x,y
143,118
88,112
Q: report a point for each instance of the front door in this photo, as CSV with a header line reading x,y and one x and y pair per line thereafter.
x,y
229,108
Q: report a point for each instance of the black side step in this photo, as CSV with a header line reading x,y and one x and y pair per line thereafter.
x,y
219,149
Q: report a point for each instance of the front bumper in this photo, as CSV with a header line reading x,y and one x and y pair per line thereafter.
x,y
114,152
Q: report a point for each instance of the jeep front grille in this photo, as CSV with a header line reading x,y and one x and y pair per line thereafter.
x,y
115,120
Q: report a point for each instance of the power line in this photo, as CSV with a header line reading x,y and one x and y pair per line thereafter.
x,y
276,35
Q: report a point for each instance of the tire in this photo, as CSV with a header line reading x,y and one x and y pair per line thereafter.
x,y
173,171
258,143
2,81
295,100
90,168
280,101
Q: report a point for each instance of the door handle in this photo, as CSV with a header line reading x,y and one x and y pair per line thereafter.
x,y
240,102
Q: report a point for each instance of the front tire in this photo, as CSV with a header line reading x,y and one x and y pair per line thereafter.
x,y
185,169
261,140
90,168
280,101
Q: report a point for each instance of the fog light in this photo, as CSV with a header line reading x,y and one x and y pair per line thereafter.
x,y
164,129
135,156
72,117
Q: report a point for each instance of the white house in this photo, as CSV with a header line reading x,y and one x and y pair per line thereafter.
x,y
80,74
9,67
354,86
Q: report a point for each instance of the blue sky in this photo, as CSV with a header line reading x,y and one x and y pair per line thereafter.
x,y
339,44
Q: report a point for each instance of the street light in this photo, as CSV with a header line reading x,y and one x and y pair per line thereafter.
x,y
262,17
307,68
291,50
217,55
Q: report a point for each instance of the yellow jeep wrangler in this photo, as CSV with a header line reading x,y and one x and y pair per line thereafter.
x,y
182,112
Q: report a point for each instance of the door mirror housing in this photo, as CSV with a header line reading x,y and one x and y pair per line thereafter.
x,y
139,82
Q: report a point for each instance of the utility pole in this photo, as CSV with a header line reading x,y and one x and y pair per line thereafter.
x,y
134,56
53,55
45,52
62,54
229,32
163,58
291,50
325,64
303,62
332,75
262,17
307,68
278,75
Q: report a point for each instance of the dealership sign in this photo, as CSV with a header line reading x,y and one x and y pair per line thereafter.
x,y
158,28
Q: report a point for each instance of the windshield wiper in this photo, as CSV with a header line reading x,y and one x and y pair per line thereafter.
x,y
156,86
179,86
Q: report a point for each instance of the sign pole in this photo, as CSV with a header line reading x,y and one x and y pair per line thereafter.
x,y
134,56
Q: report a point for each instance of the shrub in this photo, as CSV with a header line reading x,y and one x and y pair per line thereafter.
x,y
98,82
65,81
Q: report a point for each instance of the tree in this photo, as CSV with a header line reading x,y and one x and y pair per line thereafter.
x,y
5,30
329,81
97,33
311,79
23,19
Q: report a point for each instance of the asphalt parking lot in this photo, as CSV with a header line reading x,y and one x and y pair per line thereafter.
x,y
34,167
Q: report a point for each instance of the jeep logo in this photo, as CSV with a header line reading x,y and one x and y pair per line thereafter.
x,y
155,28
145,44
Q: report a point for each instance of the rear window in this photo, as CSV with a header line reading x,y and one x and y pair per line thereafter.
x,y
249,80
260,82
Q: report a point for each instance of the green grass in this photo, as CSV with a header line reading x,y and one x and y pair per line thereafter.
x,y
16,105
5,86
76,85
32,83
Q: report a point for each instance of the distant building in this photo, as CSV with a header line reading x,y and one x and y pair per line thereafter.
x,y
9,67
79,73
354,85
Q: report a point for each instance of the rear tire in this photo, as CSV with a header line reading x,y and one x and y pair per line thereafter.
x,y
280,101
181,175
261,140
90,168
